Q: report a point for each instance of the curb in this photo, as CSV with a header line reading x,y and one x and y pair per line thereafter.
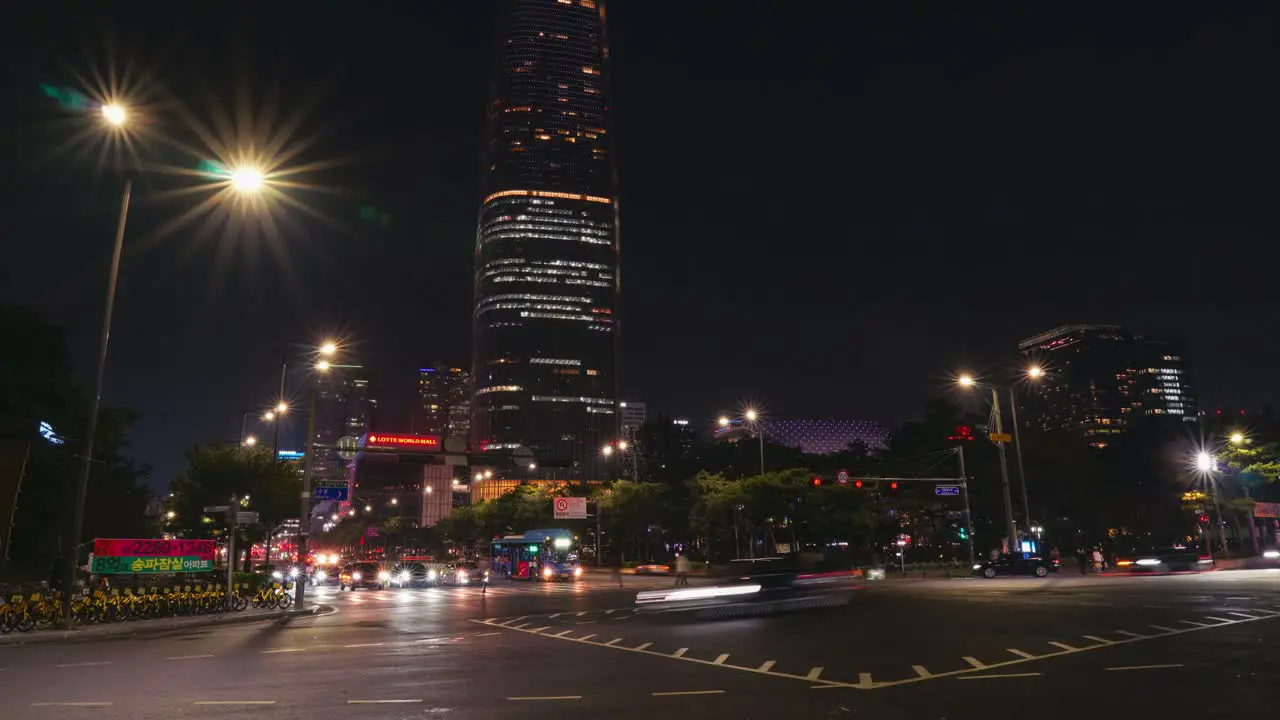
x,y
126,629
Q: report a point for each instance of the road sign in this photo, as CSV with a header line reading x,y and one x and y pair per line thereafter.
x,y
842,477
569,508
136,564
946,490
1001,437
216,508
328,483
339,493
246,518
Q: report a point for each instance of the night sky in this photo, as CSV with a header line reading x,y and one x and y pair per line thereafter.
x,y
825,207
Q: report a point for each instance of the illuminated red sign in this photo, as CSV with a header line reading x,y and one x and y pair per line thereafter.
x,y
421,442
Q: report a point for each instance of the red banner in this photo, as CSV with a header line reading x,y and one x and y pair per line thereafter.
x,y
114,547
1266,510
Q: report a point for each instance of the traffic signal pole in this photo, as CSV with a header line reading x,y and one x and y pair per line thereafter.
x,y
1012,528
968,518
304,516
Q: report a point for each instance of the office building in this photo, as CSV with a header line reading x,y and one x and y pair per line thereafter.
x,y
633,416
545,325
444,402
345,408
1100,379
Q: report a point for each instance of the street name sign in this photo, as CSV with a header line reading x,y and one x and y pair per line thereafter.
x,y
946,490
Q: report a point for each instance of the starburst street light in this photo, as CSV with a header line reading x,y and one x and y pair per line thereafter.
x,y
1237,438
1035,372
966,380
247,179
328,349
323,365
282,408
1205,462
115,114
250,441
607,450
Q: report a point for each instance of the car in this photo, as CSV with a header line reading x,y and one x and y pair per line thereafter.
x,y
369,575
414,574
462,573
756,586
1016,564
1169,558
653,569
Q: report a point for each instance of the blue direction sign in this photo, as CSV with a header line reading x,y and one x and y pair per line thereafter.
x,y
946,490
331,493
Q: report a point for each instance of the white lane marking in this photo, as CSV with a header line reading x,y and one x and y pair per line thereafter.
x,y
1245,615
1193,622
188,657
687,692
584,612
382,702
920,670
83,664
492,633
360,645
86,703
1166,629
234,702
1217,619
548,697
614,641
720,659
814,673
643,646
522,626
553,617
864,680
1144,667
1096,639
1020,653
973,661
996,677
1064,646
561,634
1242,598
609,612
680,652
282,650
540,629
766,666
585,638
1129,634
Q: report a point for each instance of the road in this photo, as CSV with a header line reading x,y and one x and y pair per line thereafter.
x,y
1202,646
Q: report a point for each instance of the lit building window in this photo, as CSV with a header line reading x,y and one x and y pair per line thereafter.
x,y
498,388
553,361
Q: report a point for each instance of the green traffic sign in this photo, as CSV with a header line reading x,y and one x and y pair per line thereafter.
x,y
134,564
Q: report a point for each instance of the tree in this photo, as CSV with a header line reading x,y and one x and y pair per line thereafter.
x,y
36,386
215,473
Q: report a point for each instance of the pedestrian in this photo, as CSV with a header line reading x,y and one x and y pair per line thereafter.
x,y
1097,560
682,570
483,566
1083,560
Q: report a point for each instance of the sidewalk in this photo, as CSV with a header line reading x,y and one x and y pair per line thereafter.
x,y
160,626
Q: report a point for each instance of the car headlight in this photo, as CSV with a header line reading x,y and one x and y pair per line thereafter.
x,y
404,576
462,577
355,576
293,572
432,574
577,572
1148,561
384,576
1271,554
546,572
333,559
319,575
277,575
977,567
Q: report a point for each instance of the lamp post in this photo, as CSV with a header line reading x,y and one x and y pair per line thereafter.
x,y
967,381
752,416
1207,465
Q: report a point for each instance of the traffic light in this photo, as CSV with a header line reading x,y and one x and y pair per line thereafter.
x,y
893,485
1204,519
964,533
817,482
857,484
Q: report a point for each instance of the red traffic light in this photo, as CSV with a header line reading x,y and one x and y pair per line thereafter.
x,y
1204,518
893,485
857,484
817,482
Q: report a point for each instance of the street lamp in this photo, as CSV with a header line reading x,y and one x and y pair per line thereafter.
x,y
322,365
723,421
607,450
967,381
752,416
247,180
171,515
115,114
250,441
328,348
1207,465
395,501
622,445
488,474
1237,438
304,514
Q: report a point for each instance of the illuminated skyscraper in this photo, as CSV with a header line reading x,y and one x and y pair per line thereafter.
x,y
546,261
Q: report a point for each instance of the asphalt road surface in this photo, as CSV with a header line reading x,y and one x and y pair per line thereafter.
x,y
1189,646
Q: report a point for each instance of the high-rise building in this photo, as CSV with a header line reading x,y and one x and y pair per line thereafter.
x,y
1099,379
545,325
444,402
633,415
345,407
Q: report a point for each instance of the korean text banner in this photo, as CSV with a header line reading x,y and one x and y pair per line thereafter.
x,y
113,547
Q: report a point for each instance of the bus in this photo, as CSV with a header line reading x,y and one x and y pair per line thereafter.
x,y
537,555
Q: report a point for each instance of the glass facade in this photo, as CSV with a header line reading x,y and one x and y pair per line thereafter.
x,y
545,326
1100,379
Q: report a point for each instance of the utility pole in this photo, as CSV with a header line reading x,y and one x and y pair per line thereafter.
x,y
304,516
1017,446
1012,528
968,518
231,542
